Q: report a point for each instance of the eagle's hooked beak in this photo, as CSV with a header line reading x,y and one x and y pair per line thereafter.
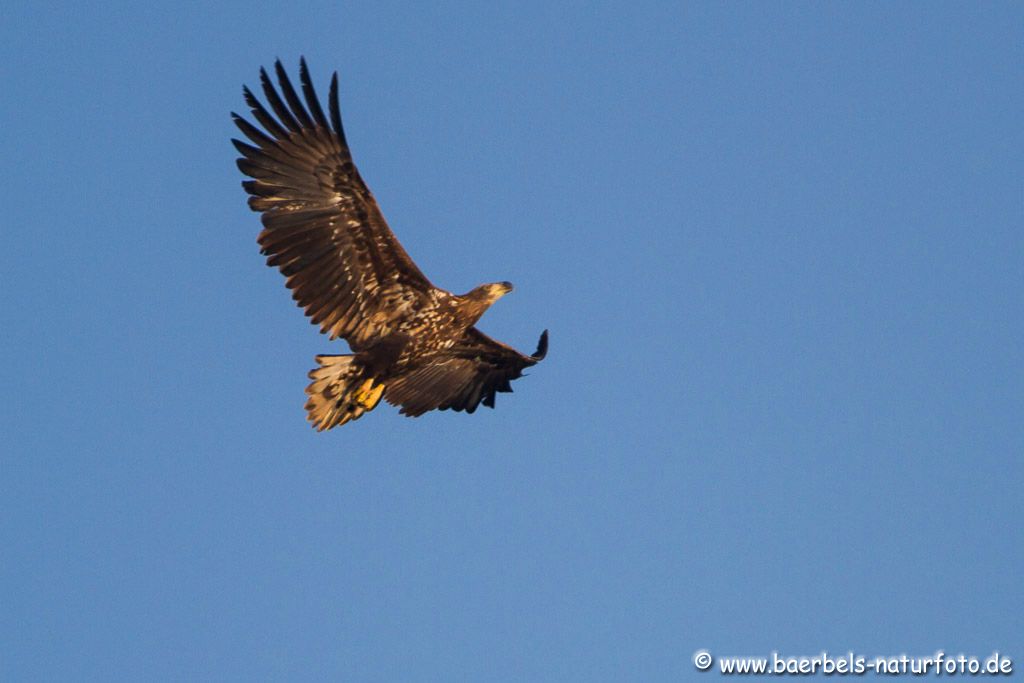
x,y
500,289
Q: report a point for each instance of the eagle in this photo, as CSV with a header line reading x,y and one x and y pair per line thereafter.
x,y
413,344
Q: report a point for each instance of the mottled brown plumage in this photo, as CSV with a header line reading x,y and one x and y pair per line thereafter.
x,y
414,344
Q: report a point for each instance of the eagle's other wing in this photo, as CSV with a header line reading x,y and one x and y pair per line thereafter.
x,y
322,226
462,377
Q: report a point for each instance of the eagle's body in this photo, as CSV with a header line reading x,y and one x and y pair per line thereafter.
x,y
413,344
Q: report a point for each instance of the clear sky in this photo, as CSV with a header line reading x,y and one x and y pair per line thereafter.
x,y
779,248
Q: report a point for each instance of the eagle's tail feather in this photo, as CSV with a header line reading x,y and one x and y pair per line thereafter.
x,y
340,391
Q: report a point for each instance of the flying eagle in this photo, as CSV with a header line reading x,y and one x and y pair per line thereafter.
x,y
413,344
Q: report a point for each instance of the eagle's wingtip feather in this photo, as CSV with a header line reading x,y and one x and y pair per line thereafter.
x,y
542,347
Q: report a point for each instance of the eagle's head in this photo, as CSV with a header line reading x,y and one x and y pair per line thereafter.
x,y
490,293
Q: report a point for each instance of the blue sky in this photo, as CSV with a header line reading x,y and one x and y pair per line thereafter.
x,y
779,249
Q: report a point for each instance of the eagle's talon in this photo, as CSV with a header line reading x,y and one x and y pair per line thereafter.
x,y
373,398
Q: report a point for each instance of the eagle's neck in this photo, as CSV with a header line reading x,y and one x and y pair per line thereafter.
x,y
472,308
475,303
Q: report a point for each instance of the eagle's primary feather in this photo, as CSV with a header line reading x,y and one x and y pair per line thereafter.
x,y
414,343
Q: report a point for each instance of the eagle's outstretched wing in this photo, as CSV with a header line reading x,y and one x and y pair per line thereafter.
x,y
463,376
322,226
